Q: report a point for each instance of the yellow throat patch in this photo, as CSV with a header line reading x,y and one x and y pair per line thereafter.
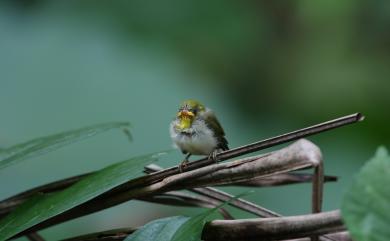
x,y
185,123
186,119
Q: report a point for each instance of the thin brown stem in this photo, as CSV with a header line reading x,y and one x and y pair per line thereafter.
x,y
221,196
239,151
171,179
256,146
176,198
279,228
295,156
238,203
109,235
35,237
274,228
281,180
317,192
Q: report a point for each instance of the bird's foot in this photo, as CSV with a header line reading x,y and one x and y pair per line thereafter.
x,y
213,156
183,165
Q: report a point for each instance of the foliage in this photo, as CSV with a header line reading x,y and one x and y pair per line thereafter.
x,y
160,229
176,228
366,205
43,145
44,206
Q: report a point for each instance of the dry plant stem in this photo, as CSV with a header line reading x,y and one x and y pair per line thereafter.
x,y
281,179
11,203
238,203
280,228
299,155
338,236
110,235
332,124
317,193
318,186
187,200
257,146
273,228
221,196
35,237
314,157
295,156
260,145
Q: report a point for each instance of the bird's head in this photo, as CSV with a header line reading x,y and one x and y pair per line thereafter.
x,y
188,111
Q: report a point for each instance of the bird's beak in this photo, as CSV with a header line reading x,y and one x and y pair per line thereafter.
x,y
185,114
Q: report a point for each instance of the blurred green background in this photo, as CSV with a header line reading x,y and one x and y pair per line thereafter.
x,y
265,67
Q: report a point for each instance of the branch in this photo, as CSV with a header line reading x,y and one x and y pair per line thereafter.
x,y
281,180
110,235
338,236
247,149
224,197
252,229
11,203
301,154
274,228
163,180
253,147
187,200
35,237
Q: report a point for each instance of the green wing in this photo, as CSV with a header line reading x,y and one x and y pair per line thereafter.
x,y
213,123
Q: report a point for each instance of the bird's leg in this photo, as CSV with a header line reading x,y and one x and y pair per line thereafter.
x,y
184,163
213,156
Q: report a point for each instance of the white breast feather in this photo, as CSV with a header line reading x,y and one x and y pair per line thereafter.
x,y
202,142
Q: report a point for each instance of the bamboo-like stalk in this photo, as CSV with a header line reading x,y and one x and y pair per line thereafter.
x,y
295,156
273,228
35,237
176,198
198,171
225,197
156,176
11,203
247,149
279,228
118,234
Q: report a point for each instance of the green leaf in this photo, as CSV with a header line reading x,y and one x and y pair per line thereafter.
x,y
160,229
366,204
191,230
46,206
176,228
173,228
50,143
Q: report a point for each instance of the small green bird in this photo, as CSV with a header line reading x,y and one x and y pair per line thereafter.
x,y
197,131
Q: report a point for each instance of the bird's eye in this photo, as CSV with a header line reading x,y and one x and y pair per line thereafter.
x,y
194,111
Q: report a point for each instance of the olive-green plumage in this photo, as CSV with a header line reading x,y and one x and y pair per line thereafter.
x,y
196,130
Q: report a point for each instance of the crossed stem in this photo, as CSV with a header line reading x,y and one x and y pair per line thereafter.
x,y
300,155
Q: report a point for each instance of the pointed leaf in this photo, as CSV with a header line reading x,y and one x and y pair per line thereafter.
x,y
42,145
176,228
366,205
46,206
160,229
191,230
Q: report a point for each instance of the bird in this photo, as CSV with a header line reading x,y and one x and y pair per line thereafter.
x,y
196,131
